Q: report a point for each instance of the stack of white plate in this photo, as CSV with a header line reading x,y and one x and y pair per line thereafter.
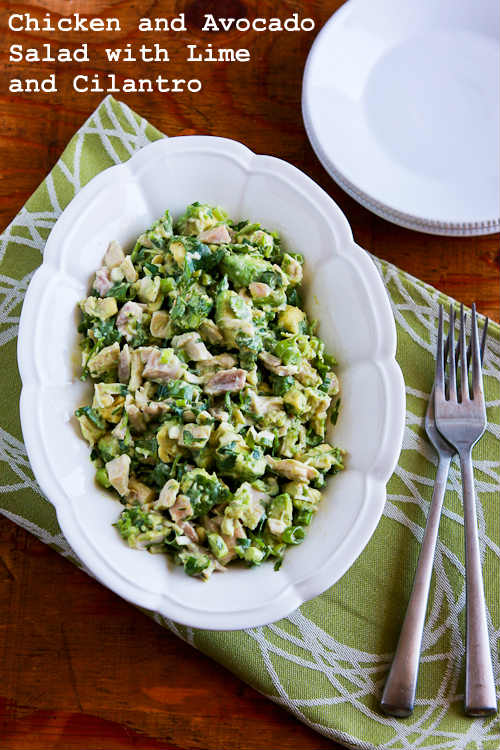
x,y
401,105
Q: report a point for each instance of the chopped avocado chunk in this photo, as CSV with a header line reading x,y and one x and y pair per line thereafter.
x,y
280,514
243,269
204,490
217,545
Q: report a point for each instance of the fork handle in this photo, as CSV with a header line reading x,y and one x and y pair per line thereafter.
x,y
480,698
399,692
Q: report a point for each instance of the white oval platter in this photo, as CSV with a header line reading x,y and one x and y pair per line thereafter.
x,y
343,290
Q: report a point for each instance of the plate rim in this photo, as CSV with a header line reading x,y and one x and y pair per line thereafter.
x,y
294,594
380,208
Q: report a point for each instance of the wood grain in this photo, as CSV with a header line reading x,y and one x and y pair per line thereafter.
x,y
80,668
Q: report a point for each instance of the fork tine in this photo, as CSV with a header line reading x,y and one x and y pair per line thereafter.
x,y
464,377
483,342
446,350
477,381
452,377
457,348
483,338
439,377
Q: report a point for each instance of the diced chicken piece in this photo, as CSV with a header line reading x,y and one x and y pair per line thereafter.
x,y
162,365
275,365
136,368
118,470
155,409
128,270
141,398
239,531
120,431
167,495
145,352
139,492
269,360
114,255
292,469
192,345
103,281
259,290
232,541
189,531
135,418
285,370
174,432
220,362
262,238
226,381
116,274
210,332
257,495
128,319
215,236
293,269
159,324
124,365
181,509
105,360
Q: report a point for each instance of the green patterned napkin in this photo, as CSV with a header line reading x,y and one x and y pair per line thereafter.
x,y
327,662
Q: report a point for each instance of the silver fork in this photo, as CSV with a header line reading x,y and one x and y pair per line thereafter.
x,y
399,693
462,421
398,697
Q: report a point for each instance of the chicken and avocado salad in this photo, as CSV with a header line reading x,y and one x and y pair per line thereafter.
x,y
211,392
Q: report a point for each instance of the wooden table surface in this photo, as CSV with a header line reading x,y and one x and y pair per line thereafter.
x,y
79,667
